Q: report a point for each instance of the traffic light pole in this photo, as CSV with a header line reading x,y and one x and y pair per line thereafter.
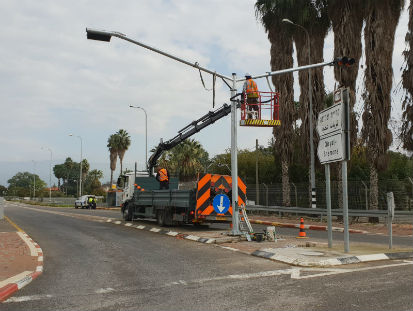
x,y
101,35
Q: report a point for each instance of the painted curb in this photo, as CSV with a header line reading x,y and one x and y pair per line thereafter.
x,y
178,235
332,261
9,289
309,227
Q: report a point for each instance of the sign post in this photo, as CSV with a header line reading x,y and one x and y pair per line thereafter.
x,y
390,208
333,127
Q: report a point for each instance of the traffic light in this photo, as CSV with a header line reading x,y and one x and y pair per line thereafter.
x,y
344,61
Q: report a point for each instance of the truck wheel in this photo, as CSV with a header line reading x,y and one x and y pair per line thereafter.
x,y
76,206
127,213
160,217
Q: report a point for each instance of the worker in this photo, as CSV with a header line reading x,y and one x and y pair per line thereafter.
x,y
250,89
163,177
90,202
94,203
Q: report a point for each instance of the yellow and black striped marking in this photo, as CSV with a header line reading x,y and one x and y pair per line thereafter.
x,y
253,122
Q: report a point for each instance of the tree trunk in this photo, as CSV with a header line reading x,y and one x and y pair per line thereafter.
x,y
374,192
111,178
285,184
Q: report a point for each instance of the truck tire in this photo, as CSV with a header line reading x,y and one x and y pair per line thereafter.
x,y
127,213
160,217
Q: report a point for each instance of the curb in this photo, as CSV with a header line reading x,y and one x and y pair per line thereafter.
x,y
332,261
109,208
9,289
178,235
309,227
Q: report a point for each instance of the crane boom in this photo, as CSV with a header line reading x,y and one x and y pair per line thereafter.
x,y
189,130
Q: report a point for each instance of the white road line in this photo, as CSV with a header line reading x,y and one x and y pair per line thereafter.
x,y
27,298
230,248
104,290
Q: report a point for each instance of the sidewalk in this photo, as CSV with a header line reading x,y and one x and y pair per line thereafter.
x,y
311,224
299,252
21,259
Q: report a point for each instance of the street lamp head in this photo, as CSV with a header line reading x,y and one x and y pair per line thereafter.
x,y
70,134
98,35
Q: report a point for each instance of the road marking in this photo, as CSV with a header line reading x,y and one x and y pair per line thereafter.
x,y
104,290
128,224
295,273
13,224
155,230
118,222
27,298
230,248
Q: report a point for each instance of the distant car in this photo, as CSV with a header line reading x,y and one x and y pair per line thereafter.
x,y
82,202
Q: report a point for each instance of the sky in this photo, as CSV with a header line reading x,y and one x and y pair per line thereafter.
x,y
54,82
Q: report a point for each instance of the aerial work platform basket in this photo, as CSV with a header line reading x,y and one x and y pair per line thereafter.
x,y
263,112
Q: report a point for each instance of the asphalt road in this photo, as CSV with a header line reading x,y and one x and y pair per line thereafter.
x,y
314,234
97,266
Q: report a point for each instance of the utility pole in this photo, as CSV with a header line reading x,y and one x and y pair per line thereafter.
x,y
34,178
256,173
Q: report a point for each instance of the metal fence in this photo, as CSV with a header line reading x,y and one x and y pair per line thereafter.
x,y
358,194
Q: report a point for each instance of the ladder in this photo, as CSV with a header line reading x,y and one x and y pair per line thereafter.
x,y
244,223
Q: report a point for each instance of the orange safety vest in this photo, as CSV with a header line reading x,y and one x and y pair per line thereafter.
x,y
251,89
163,175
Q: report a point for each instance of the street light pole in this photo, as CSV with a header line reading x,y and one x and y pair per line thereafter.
x,y
81,159
310,121
50,172
146,134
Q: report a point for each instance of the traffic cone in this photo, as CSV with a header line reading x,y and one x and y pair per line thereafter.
x,y
301,234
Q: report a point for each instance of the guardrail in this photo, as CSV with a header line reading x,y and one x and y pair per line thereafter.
x,y
323,212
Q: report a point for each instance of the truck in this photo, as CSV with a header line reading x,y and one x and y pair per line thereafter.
x,y
142,199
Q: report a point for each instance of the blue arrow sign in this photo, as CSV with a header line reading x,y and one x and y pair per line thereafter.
x,y
221,203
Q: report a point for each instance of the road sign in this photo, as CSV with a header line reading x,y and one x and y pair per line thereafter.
x,y
330,120
331,149
221,203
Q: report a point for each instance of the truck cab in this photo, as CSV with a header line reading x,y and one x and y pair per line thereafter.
x,y
126,183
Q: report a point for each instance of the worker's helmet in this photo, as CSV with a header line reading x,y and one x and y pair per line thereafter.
x,y
247,75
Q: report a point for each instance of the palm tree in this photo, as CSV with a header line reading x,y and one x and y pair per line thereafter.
x,y
123,145
381,20
271,13
186,159
347,22
311,15
407,82
113,146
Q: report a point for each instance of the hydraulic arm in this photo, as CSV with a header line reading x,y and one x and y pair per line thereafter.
x,y
189,130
